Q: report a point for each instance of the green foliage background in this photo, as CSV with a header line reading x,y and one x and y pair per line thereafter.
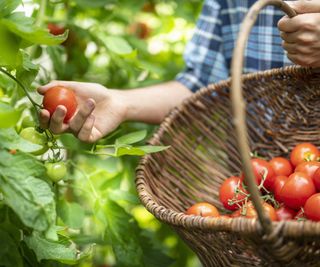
x,y
95,212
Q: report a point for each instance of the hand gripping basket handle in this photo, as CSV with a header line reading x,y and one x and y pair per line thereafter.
x,y
238,104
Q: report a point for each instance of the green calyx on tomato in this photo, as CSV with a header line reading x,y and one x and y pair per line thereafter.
x,y
33,136
56,171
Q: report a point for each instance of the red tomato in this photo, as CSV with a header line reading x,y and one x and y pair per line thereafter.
x,y
59,95
284,213
303,152
297,189
262,168
281,166
55,29
250,212
311,208
316,179
203,209
228,192
308,167
278,184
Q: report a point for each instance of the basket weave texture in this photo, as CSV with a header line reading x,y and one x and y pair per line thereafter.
x,y
283,109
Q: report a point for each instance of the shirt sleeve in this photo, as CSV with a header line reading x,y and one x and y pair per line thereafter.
x,y
204,60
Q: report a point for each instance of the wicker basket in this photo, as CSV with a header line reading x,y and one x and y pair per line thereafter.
x,y
209,143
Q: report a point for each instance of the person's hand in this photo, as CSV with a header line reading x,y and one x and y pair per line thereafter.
x,y
99,111
301,34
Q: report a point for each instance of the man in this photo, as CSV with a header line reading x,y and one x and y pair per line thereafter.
x,y
208,59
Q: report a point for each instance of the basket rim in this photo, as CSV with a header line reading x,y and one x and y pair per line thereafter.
x,y
240,225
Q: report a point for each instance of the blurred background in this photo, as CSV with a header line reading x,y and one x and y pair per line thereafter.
x,y
121,44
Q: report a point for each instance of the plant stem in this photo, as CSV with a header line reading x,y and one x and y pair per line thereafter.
x,y
35,105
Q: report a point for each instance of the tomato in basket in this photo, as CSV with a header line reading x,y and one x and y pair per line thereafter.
x,y
203,209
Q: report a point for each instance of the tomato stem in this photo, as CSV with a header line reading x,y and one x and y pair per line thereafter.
x,y
35,105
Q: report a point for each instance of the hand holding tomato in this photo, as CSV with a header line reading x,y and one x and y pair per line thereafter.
x,y
99,110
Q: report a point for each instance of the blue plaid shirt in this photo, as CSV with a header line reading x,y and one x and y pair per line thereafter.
x,y
208,54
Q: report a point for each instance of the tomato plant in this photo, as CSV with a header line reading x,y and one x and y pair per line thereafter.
x,y
58,223
303,152
311,207
232,190
59,95
56,170
203,209
296,190
281,166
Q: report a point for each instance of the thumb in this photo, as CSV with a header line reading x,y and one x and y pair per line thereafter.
x,y
305,6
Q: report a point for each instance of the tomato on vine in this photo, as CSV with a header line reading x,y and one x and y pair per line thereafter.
x,y
59,95
232,190
262,170
56,171
249,211
203,209
304,152
33,136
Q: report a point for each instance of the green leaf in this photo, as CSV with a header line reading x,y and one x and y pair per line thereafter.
x,y
9,56
138,151
24,27
31,198
20,165
128,150
93,3
11,140
7,6
72,214
131,138
152,149
123,233
120,195
8,115
9,253
117,45
50,250
27,72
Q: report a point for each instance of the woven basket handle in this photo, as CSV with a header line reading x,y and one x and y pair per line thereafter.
x,y
238,104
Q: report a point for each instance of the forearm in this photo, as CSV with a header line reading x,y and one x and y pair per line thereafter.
x,y
152,104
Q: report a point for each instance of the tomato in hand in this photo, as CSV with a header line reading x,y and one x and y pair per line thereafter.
x,y
278,184
262,168
316,179
33,136
311,208
284,213
203,209
303,152
308,167
297,189
56,170
281,166
59,95
227,192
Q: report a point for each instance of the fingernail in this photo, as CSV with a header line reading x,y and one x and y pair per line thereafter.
x,y
90,104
